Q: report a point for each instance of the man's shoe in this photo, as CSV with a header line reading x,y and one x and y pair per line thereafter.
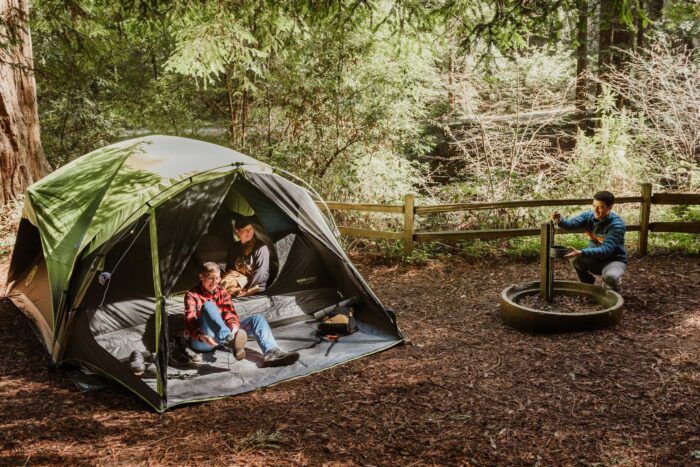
x,y
615,286
237,344
136,363
277,357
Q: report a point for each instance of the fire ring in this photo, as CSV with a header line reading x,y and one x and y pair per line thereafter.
x,y
532,320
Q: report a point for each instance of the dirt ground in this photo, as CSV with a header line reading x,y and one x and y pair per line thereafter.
x,y
464,390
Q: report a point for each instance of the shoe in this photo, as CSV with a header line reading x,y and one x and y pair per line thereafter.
x,y
277,357
187,351
193,356
237,343
182,354
617,287
136,363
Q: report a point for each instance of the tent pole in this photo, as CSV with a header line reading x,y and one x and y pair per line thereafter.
x,y
159,303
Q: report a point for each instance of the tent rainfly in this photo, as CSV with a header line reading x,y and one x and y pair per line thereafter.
x,y
108,244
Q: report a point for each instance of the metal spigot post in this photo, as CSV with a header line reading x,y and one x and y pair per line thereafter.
x,y
546,262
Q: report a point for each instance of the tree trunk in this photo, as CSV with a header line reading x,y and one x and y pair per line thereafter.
x,y
655,10
614,38
582,64
22,160
606,11
450,77
244,118
641,30
233,124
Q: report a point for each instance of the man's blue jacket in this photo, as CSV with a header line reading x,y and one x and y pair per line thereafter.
x,y
609,234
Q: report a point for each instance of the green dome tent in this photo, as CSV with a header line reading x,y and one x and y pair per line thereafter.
x,y
108,244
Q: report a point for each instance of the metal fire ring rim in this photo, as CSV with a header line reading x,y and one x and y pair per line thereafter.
x,y
530,319
531,288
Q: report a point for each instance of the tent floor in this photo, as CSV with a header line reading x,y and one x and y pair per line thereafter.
x,y
221,375
277,309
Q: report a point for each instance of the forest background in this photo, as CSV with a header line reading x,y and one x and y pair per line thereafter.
x,y
369,100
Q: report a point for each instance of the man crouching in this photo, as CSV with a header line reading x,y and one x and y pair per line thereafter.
x,y
605,254
211,320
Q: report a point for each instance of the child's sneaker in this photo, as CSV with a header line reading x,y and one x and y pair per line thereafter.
x,y
237,344
277,357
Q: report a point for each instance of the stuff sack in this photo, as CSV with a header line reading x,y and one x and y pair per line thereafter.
x,y
338,322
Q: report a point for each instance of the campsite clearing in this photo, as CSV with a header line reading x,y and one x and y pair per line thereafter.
x,y
466,389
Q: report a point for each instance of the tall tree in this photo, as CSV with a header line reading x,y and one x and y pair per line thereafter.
x,y
581,63
22,160
615,36
654,13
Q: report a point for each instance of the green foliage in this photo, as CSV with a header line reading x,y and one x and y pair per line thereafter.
x,y
166,107
675,243
76,126
337,102
606,159
94,66
382,177
353,97
656,135
506,25
210,40
687,213
688,243
482,248
682,19
539,78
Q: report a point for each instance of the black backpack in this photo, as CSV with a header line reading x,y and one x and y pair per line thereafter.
x,y
338,322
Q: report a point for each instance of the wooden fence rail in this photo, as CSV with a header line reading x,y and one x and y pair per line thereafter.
x,y
410,210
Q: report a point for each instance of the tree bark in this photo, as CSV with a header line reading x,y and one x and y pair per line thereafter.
x,y
233,116
614,38
22,160
655,10
641,30
450,77
582,64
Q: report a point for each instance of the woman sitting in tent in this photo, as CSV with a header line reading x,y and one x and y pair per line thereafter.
x,y
211,320
248,262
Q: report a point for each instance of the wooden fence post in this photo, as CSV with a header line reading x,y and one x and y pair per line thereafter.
x,y
644,214
408,209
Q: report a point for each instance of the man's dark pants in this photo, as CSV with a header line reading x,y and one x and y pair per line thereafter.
x,y
611,271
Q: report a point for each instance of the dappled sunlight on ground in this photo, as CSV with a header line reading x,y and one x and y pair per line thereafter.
x,y
691,325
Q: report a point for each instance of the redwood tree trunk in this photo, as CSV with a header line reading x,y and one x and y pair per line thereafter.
x,y
22,160
614,38
582,64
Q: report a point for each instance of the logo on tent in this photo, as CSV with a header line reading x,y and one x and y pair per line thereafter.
x,y
31,275
306,280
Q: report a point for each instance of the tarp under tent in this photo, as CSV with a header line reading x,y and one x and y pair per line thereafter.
x,y
108,244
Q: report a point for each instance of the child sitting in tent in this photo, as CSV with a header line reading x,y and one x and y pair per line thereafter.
x,y
211,320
